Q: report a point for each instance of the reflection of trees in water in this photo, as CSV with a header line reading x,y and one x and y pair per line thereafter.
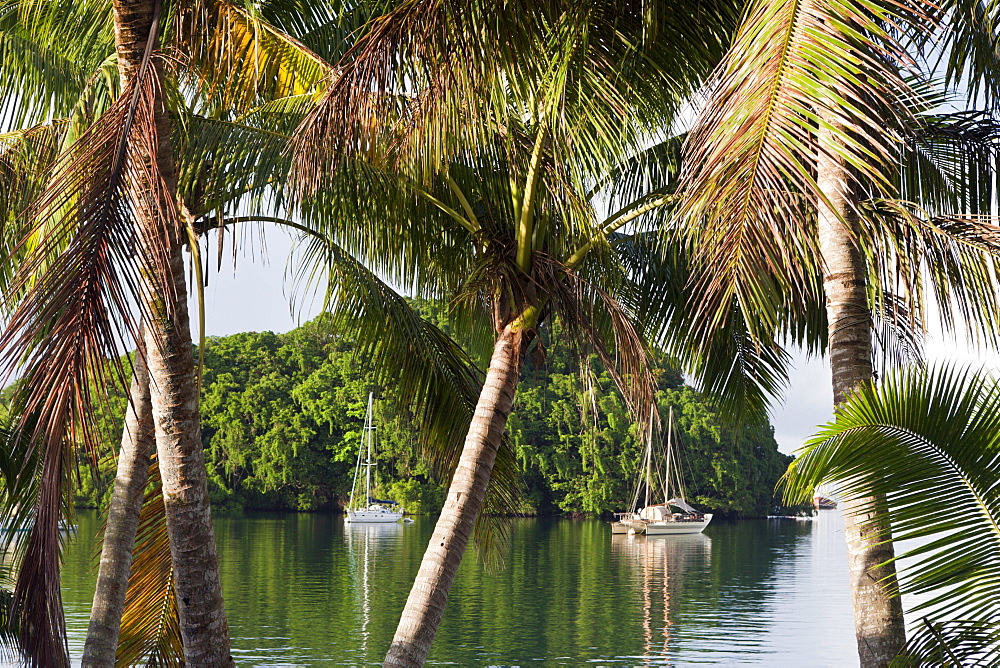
x,y
660,564
298,592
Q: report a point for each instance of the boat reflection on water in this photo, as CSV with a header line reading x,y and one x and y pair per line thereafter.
x,y
365,542
658,565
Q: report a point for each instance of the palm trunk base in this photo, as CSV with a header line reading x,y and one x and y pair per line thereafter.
x,y
138,443
429,594
878,610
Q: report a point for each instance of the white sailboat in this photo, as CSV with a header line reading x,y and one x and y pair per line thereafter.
x,y
369,509
661,519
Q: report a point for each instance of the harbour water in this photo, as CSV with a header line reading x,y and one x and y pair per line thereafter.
x,y
306,590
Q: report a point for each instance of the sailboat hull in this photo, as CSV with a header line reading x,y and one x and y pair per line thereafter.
x,y
677,528
373,516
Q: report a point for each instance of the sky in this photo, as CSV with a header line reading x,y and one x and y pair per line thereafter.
x,y
256,297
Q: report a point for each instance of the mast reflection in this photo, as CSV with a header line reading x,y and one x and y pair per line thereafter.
x,y
364,543
658,565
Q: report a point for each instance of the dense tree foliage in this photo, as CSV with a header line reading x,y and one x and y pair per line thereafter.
x,y
282,417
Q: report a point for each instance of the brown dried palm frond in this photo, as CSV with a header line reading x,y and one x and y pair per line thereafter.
x,y
79,283
424,57
150,630
796,70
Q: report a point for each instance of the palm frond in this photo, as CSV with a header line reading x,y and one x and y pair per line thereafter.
x,y
971,57
437,382
79,285
743,373
927,442
950,164
946,265
26,157
45,75
969,644
795,69
224,166
238,60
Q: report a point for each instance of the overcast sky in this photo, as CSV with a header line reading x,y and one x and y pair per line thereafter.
x,y
256,298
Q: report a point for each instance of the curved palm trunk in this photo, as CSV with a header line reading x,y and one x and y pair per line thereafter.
x,y
427,599
174,391
123,521
878,613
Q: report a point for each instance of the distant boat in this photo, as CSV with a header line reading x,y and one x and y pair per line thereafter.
x,y
821,498
660,519
369,509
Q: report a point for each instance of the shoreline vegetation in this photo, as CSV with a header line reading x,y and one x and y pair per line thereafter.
x,y
282,415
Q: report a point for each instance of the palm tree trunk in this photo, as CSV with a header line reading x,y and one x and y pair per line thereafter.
x,y
123,521
427,599
878,613
174,391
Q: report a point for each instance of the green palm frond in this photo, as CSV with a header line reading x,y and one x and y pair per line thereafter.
x,y
972,57
968,644
437,381
584,76
946,265
45,75
927,442
150,629
744,374
225,165
26,157
950,163
237,60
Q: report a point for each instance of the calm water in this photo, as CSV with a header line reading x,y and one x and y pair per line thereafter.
x,y
306,590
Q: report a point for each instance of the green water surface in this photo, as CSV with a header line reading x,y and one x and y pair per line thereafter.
x,y
306,590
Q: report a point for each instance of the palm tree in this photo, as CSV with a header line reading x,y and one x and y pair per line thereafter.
x,y
792,164
90,217
227,160
926,442
462,153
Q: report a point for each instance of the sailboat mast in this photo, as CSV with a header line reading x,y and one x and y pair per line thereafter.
x,y
369,433
649,462
670,453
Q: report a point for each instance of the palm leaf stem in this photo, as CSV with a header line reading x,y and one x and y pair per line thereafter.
x,y
466,206
615,222
525,225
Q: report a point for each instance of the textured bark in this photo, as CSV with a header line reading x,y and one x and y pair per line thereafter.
x,y
878,614
429,593
174,390
138,442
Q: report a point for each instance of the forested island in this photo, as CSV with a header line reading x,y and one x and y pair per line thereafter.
x,y
282,416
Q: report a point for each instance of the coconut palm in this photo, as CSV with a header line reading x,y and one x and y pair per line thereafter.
x,y
227,163
82,222
926,441
462,154
804,124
